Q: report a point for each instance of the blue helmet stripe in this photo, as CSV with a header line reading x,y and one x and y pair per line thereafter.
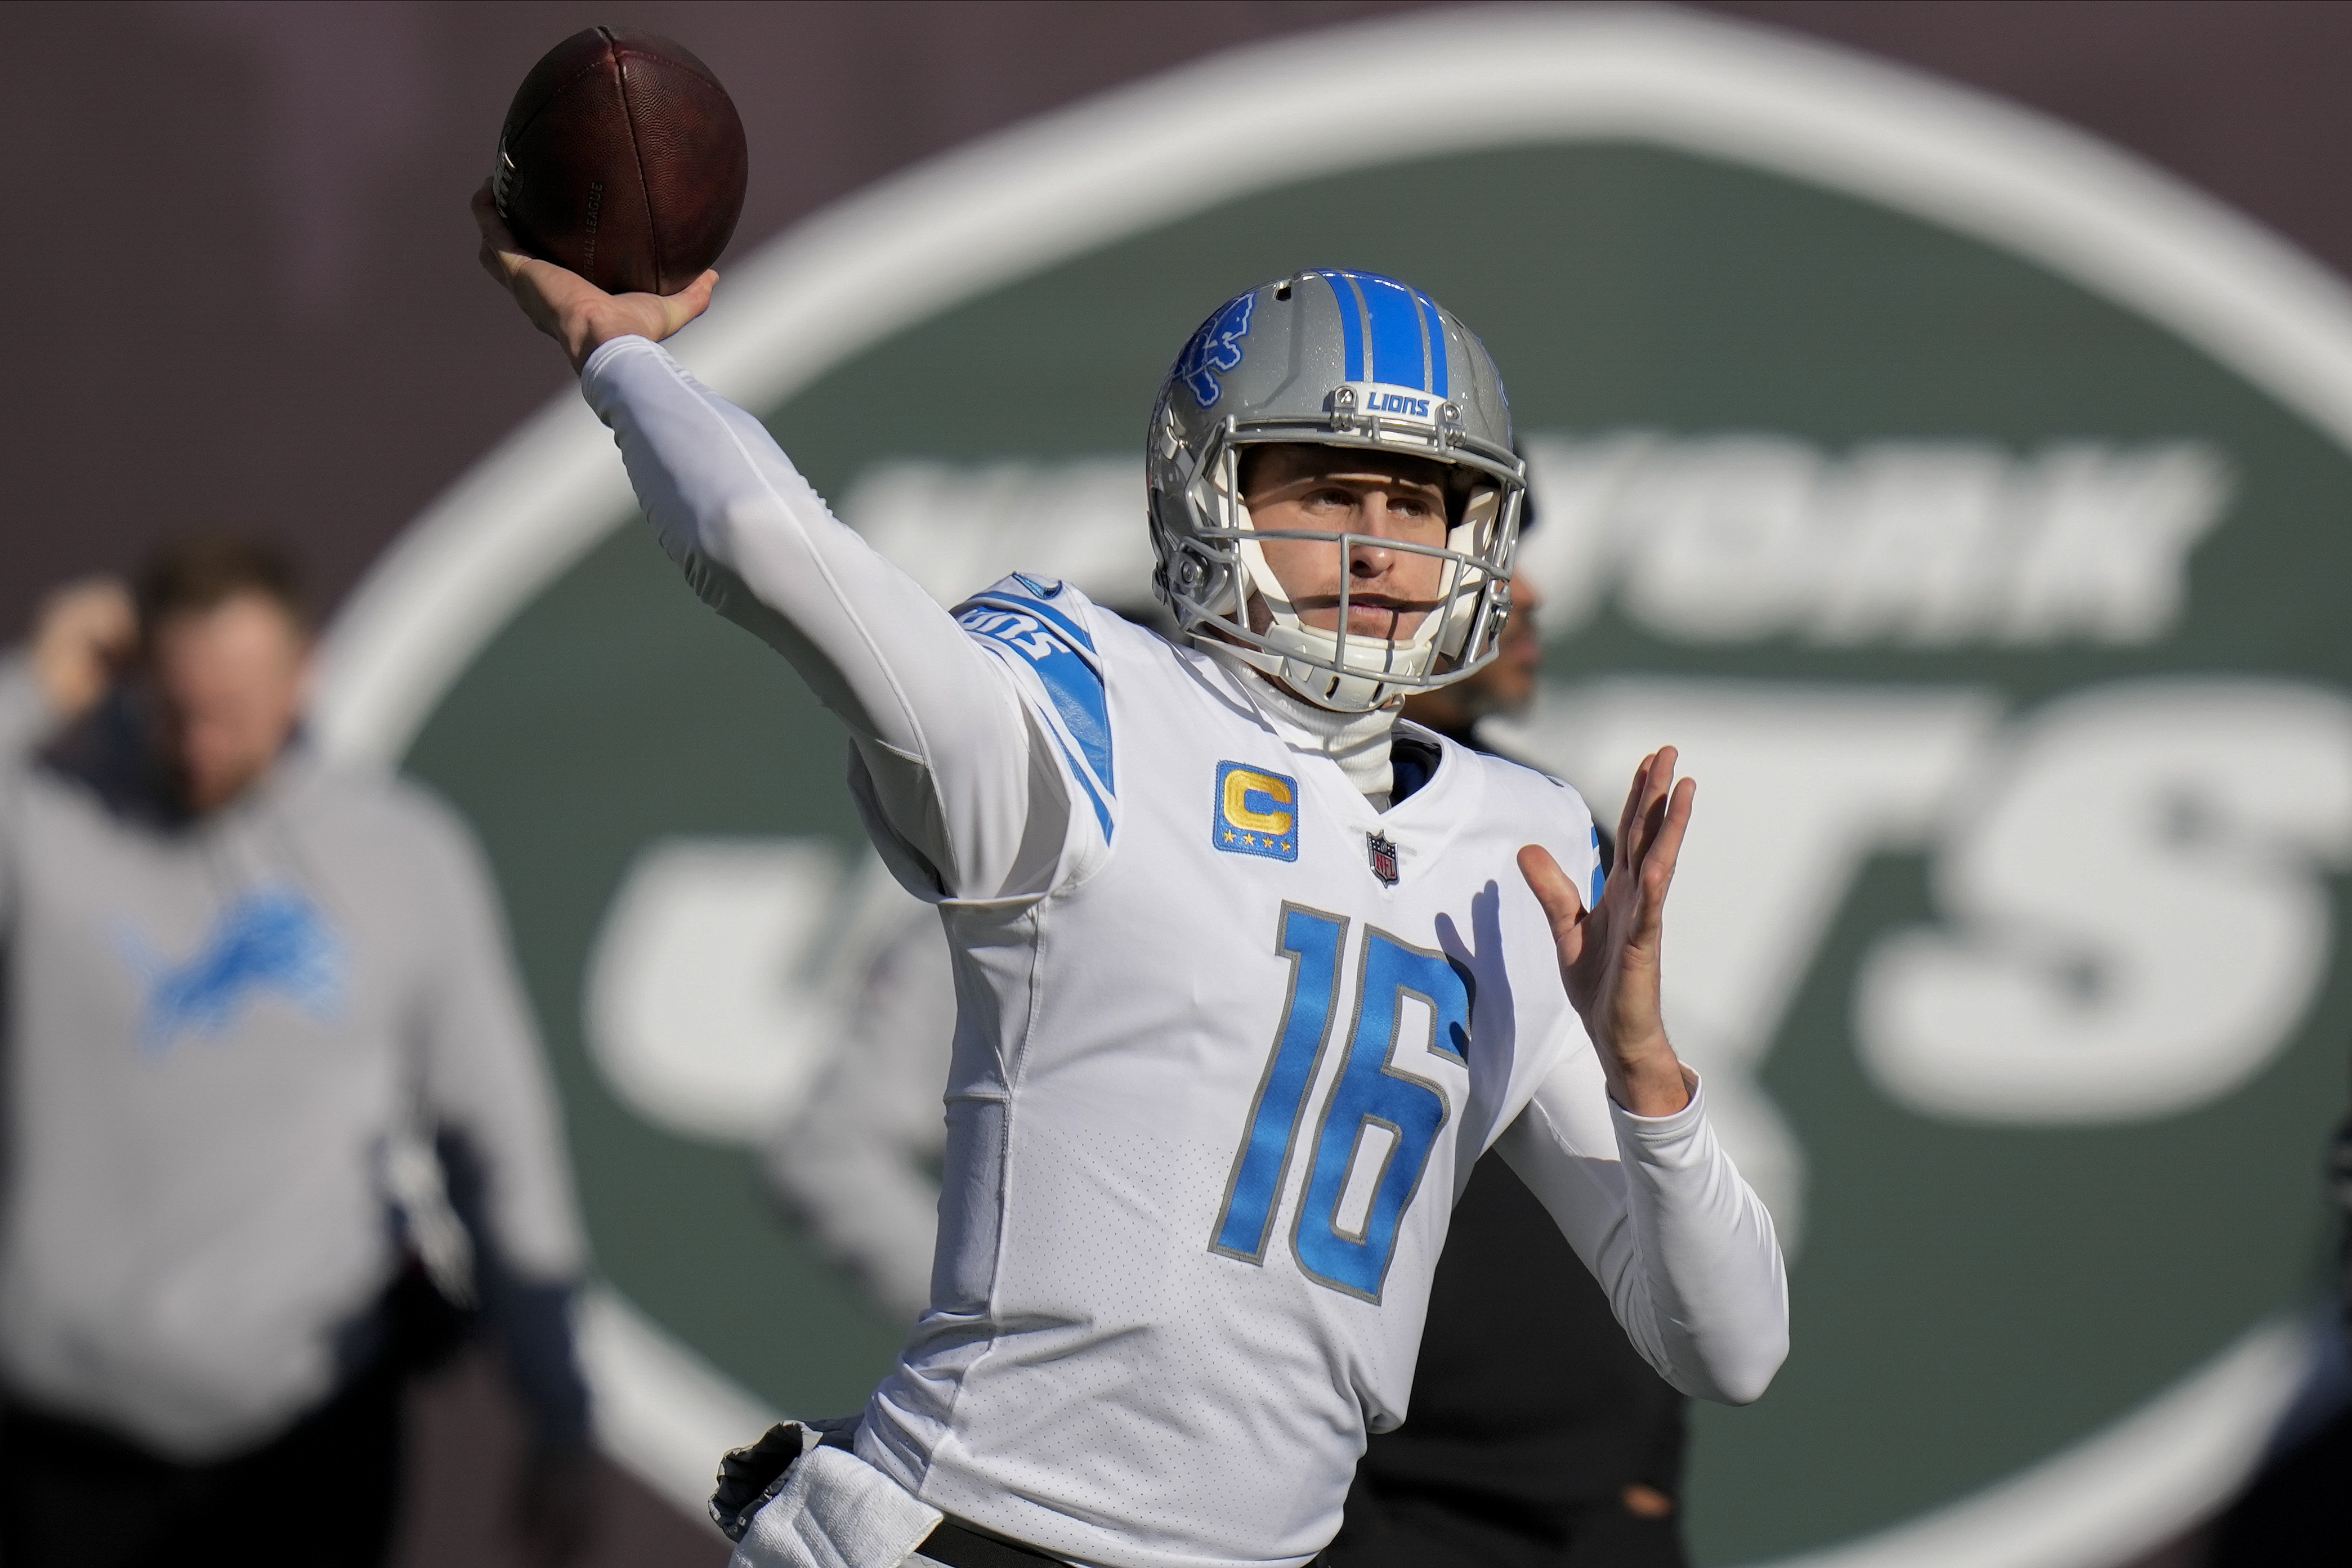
x,y
1351,321
1390,332
1432,330
1400,354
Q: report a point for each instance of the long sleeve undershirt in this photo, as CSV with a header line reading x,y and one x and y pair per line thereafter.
x,y
948,749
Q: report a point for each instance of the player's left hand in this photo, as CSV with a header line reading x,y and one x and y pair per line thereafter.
x,y
566,305
1609,956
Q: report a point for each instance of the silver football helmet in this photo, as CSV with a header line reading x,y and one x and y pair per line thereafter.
x,y
1341,359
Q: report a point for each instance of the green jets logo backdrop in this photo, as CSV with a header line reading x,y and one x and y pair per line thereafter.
x,y
1969,506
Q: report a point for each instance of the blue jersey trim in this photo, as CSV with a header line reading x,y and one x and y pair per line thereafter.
x,y
1094,795
1063,621
1050,641
1071,678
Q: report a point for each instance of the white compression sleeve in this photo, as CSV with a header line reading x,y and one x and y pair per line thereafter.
x,y
949,751
1653,1205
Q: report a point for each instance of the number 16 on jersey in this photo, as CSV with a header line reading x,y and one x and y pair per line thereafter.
x,y
1368,1092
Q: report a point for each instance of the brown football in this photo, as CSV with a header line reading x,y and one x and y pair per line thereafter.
x,y
623,158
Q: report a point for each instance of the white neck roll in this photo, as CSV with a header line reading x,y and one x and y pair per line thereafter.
x,y
1357,742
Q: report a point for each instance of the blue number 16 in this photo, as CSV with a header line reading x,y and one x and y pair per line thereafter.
x,y
1371,1091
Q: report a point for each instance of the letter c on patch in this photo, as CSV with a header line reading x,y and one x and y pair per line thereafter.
x,y
1258,803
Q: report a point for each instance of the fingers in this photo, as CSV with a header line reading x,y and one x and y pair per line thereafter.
x,y
500,254
684,306
1563,904
90,618
1628,813
95,607
1658,866
1652,787
1645,804
493,228
569,307
82,634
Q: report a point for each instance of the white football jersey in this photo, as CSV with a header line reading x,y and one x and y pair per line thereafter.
x,y
1229,1040
1213,1097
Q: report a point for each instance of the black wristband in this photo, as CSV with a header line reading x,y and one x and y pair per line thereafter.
x,y
750,1479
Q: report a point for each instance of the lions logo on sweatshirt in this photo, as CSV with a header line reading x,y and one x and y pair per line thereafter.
x,y
266,940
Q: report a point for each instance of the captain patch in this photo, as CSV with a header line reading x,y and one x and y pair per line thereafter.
x,y
1256,812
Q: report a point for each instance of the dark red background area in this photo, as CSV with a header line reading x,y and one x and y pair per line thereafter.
x,y
242,258
243,286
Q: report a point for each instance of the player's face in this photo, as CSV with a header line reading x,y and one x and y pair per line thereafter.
x,y
229,682
1338,490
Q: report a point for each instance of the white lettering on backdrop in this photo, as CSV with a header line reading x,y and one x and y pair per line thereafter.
x,y
1939,544
2135,926
2138,919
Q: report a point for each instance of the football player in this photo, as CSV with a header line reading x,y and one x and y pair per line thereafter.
x,y
1250,973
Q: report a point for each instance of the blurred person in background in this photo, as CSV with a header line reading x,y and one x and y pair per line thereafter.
x,y
247,990
858,1162
1570,1457
2297,1511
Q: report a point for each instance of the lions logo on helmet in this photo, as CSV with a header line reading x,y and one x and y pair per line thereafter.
x,y
1215,346
1341,359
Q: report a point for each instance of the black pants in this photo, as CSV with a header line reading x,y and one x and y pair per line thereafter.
x,y
1435,1533
321,1496
2296,1514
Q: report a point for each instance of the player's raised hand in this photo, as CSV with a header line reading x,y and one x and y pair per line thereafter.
x,y
566,305
1608,955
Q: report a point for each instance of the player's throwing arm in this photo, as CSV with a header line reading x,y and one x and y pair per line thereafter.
x,y
943,744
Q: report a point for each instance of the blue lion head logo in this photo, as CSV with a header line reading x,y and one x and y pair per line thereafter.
x,y
268,939
1215,346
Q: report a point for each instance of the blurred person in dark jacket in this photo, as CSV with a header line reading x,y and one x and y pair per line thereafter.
x,y
2297,1511
248,993
1537,1438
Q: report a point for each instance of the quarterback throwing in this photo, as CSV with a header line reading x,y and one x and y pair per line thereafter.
x,y
1249,971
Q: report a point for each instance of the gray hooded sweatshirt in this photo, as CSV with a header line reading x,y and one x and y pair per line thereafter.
x,y
216,1033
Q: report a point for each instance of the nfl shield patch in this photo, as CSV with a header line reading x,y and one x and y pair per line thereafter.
x,y
1384,858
